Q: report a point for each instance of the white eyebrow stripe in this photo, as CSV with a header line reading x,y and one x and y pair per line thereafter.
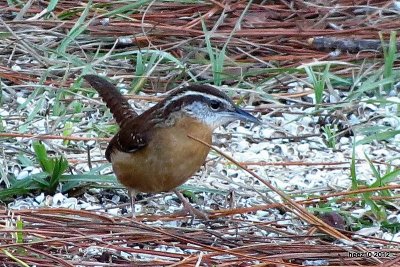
x,y
194,93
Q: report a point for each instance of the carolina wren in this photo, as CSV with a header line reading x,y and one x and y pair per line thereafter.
x,y
153,152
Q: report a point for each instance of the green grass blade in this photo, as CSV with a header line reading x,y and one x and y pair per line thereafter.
x,y
389,55
353,175
374,170
378,137
391,176
20,262
89,178
52,4
42,157
127,9
76,30
8,193
19,234
60,166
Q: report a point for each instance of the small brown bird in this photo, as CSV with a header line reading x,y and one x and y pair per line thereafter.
x,y
153,152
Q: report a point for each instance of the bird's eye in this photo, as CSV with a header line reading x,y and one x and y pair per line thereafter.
x,y
215,105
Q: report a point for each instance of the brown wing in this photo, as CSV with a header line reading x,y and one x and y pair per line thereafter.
x,y
127,140
135,135
131,137
117,104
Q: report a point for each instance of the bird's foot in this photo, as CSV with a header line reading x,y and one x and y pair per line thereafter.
x,y
188,208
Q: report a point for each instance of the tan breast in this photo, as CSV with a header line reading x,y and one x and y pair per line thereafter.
x,y
169,160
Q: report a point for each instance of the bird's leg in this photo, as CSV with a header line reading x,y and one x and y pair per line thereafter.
x,y
189,208
132,194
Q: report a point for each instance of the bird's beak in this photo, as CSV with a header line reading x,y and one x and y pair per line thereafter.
x,y
242,115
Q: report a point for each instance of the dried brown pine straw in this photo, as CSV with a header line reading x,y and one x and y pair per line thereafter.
x,y
274,32
67,233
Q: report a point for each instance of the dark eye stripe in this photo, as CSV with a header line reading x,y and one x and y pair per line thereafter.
x,y
194,93
183,101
